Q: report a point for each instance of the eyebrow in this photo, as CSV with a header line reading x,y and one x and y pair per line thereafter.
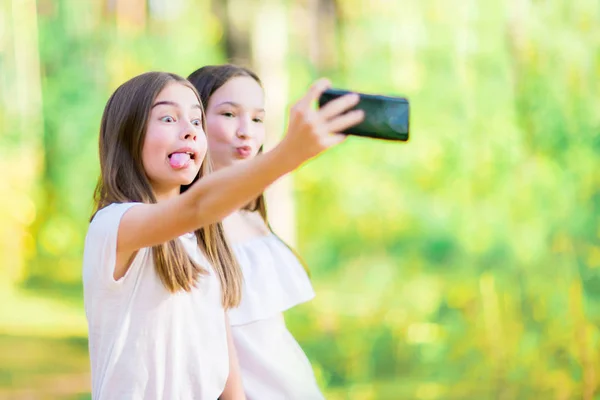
x,y
237,105
171,103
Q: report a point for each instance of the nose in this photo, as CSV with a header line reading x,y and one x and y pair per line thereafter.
x,y
189,131
243,131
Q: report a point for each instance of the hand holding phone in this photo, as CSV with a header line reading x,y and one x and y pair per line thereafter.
x,y
386,117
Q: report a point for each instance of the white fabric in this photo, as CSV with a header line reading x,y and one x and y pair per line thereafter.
x,y
273,366
274,280
145,342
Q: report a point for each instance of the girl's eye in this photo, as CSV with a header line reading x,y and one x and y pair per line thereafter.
x,y
227,114
258,120
168,119
197,122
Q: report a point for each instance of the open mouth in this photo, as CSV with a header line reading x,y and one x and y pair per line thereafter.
x,y
190,154
181,159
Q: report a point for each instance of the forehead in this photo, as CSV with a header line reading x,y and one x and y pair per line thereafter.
x,y
178,93
242,90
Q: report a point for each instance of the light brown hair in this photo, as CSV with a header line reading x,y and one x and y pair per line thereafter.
x,y
123,179
208,80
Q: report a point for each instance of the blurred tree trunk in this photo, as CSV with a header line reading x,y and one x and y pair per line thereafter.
x,y
269,52
518,48
130,15
323,17
22,102
130,20
235,18
72,64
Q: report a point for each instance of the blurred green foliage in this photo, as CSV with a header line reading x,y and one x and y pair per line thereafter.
x,y
464,264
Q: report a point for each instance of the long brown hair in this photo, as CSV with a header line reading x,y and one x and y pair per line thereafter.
x,y
208,80
123,179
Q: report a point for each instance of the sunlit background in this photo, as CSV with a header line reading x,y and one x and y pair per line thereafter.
x,y
464,264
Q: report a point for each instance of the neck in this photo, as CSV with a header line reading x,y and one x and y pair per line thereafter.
x,y
166,194
228,163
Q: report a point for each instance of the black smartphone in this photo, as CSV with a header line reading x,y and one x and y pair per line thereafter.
x,y
386,117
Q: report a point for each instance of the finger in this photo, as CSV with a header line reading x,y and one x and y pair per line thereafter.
x,y
339,105
346,121
314,93
336,138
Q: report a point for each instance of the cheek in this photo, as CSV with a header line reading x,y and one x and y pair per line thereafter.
x,y
219,132
260,136
202,145
154,149
149,151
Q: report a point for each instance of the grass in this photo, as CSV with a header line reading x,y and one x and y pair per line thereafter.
x,y
37,367
43,346
44,354
28,313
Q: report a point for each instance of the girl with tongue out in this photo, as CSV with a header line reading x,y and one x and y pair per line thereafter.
x,y
273,366
158,274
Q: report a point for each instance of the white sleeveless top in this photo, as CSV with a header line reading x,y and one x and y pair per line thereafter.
x,y
145,342
273,366
274,280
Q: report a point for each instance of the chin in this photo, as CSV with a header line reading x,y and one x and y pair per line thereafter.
x,y
216,166
241,160
188,178
186,183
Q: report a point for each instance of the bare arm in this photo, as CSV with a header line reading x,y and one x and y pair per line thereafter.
x,y
209,200
234,389
217,195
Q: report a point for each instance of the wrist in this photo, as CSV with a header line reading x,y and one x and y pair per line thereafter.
x,y
287,156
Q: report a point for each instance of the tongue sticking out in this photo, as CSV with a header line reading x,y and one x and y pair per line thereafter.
x,y
179,160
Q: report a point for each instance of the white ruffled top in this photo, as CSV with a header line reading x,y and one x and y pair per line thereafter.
x,y
274,280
